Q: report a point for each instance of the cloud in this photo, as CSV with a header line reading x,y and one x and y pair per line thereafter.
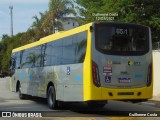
x,y
23,1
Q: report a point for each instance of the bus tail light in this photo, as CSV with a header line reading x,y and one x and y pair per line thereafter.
x,y
95,73
149,75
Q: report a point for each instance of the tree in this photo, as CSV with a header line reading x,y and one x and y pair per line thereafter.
x,y
57,11
4,36
48,21
37,26
146,12
7,45
41,27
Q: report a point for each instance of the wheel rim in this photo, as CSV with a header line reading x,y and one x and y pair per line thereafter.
x,y
19,91
51,99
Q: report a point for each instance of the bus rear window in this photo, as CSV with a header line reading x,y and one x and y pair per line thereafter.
x,y
122,38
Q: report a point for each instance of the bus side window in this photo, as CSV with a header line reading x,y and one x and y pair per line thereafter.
x,y
81,46
68,50
17,62
12,65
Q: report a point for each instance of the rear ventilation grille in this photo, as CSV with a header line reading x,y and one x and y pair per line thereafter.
x,y
126,93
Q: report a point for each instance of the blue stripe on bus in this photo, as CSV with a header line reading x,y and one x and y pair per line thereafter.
x,y
78,78
30,77
138,76
22,75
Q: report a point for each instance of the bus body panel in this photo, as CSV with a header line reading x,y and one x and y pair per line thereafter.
x,y
74,82
67,80
132,71
87,69
68,87
122,74
101,93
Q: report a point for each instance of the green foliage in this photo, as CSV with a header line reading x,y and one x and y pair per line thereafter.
x,y
146,12
7,45
48,21
41,27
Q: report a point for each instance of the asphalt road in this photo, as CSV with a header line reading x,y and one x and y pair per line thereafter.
x,y
9,101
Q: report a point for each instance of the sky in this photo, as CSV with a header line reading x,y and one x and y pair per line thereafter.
x,y
23,12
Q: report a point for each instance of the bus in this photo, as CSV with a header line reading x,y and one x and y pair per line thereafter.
x,y
93,63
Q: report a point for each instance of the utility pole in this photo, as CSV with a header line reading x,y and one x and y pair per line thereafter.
x,y
11,15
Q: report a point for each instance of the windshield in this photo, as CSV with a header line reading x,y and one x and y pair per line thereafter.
x,y
121,38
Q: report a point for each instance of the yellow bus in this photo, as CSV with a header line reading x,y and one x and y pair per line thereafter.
x,y
93,63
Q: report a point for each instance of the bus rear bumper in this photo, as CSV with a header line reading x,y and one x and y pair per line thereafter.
x,y
122,94
119,94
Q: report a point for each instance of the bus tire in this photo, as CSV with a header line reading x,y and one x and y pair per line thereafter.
x,y
96,104
51,98
21,96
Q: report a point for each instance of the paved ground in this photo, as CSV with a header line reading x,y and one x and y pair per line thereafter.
x,y
9,101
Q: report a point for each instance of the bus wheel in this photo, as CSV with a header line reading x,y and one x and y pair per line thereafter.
x,y
51,99
21,96
96,104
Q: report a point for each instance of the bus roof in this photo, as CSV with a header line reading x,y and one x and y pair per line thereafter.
x,y
53,37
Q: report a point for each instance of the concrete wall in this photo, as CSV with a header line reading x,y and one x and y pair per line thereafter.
x,y
156,74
